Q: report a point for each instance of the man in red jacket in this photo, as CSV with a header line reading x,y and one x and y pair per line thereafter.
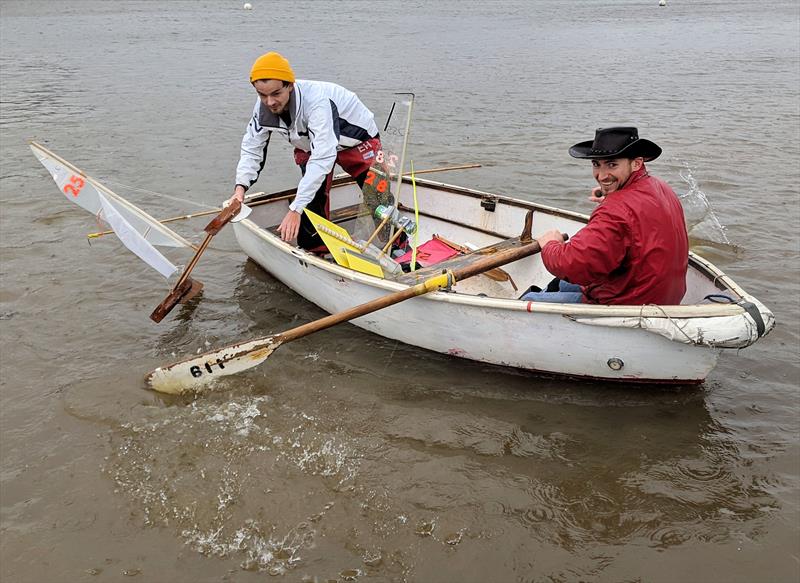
x,y
635,249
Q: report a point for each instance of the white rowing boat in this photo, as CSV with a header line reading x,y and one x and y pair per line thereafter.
x,y
481,318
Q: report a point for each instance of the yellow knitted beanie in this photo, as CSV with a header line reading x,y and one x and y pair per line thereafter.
x,y
271,66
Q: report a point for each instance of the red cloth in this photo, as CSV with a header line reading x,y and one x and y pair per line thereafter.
x,y
430,253
354,161
634,250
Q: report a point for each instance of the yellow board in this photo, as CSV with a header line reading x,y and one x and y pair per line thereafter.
x,y
363,263
345,251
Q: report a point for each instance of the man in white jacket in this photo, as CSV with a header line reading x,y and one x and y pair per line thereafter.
x,y
326,124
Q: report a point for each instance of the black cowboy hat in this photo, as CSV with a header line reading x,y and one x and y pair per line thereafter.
x,y
616,143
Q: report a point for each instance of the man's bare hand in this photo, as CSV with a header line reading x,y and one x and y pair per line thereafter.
x,y
238,193
597,195
553,235
289,227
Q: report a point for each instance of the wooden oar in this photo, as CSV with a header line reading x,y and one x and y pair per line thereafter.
x,y
495,274
193,373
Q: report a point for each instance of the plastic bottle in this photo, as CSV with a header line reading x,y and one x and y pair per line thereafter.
x,y
397,220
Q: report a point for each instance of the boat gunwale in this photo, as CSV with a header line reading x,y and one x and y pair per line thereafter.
x,y
708,269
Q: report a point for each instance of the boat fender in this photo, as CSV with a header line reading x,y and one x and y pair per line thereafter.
x,y
754,313
749,307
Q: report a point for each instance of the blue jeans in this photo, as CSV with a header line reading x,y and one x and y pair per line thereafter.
x,y
568,293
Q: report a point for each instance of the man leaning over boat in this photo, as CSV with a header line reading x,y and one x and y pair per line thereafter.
x,y
635,248
326,124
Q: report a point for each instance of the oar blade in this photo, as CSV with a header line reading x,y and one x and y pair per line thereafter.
x,y
196,373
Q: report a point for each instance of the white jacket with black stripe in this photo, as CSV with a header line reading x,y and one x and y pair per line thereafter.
x,y
325,118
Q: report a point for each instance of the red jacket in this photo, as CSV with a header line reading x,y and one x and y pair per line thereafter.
x,y
634,250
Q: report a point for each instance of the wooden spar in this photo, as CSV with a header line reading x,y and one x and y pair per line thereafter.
x,y
194,215
375,232
389,243
405,144
443,169
402,162
259,202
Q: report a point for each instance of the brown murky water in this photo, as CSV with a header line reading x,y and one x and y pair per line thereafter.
x,y
347,457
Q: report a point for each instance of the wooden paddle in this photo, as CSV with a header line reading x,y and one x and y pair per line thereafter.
x,y
192,373
496,274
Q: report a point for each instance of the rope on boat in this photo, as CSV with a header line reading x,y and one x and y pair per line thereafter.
x,y
337,236
719,299
668,317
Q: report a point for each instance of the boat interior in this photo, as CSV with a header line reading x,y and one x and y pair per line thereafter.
x,y
470,223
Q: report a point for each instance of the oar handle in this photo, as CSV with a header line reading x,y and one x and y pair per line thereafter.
x,y
429,285
496,260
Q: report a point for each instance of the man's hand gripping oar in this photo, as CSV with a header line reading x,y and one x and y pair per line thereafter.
x,y
193,373
186,288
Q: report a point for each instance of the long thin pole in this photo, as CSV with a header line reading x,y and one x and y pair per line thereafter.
x,y
442,169
259,202
403,153
193,215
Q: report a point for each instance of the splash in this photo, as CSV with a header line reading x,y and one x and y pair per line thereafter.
x,y
701,221
219,474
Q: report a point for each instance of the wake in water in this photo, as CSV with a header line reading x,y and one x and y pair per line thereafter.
x,y
702,223
216,472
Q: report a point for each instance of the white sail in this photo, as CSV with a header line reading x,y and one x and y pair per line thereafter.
x,y
131,238
85,192
137,230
